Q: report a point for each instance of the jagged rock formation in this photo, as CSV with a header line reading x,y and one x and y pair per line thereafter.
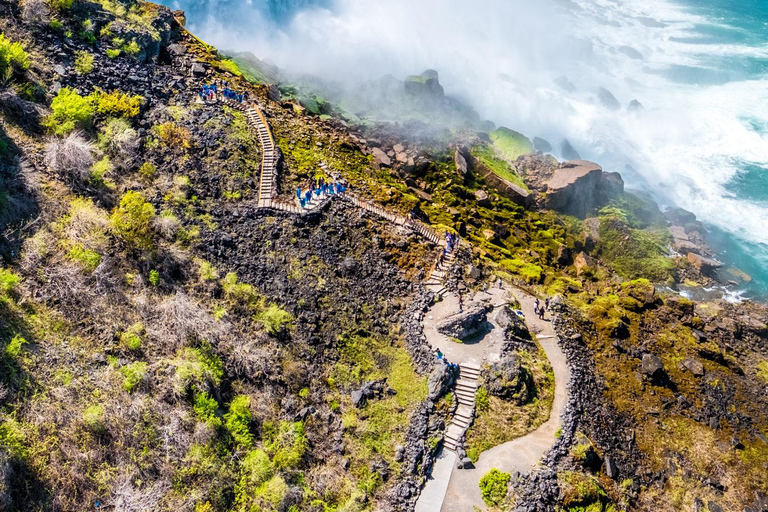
x,y
579,187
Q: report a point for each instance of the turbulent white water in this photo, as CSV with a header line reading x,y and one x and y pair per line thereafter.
x,y
705,108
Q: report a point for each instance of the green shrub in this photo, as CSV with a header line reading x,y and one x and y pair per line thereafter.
x,y
133,375
205,409
13,349
132,338
132,220
197,368
255,470
238,421
147,171
118,104
62,5
86,258
83,63
99,171
482,400
238,292
13,58
208,272
154,277
286,442
493,487
8,281
113,53
230,66
132,48
174,135
274,319
93,417
70,111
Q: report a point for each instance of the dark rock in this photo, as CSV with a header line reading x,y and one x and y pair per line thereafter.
x,y
607,98
610,468
567,152
694,366
461,162
482,198
652,365
440,381
579,187
542,145
464,325
197,70
358,398
634,106
273,93
509,380
425,86
703,264
713,506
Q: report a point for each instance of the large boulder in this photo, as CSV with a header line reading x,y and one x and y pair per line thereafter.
x,y
465,325
461,162
703,264
381,158
440,381
652,366
509,380
425,86
514,327
579,187
607,98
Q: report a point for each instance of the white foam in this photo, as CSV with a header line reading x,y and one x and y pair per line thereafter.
x,y
686,144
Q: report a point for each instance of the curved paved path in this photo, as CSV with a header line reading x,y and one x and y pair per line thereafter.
x,y
461,493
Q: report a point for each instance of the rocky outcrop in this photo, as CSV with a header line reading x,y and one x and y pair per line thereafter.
x,y
462,167
579,187
514,192
567,152
542,145
440,381
465,325
509,380
608,100
425,86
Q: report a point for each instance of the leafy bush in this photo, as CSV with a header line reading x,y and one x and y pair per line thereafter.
x,y
132,48
70,157
62,5
113,53
13,349
205,409
133,375
235,291
208,272
13,58
118,104
238,421
286,442
132,220
70,111
83,63
86,258
8,281
147,171
493,487
197,368
121,142
93,417
154,277
482,400
132,338
274,319
255,469
174,135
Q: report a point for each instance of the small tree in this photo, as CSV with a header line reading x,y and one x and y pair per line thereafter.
x,y
493,487
70,157
132,220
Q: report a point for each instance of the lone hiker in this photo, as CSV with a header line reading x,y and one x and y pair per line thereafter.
x,y
500,284
546,304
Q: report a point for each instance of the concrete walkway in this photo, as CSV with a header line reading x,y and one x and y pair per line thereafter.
x,y
522,454
431,497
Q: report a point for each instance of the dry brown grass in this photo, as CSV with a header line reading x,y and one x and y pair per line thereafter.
x,y
70,157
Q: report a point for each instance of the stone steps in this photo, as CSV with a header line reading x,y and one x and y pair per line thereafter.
x,y
465,390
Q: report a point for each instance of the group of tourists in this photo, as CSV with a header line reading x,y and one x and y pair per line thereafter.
x,y
319,189
210,92
540,309
440,357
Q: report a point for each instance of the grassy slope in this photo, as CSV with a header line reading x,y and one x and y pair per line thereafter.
x,y
511,144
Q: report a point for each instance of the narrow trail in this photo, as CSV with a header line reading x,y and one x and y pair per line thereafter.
x,y
451,489
457,490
